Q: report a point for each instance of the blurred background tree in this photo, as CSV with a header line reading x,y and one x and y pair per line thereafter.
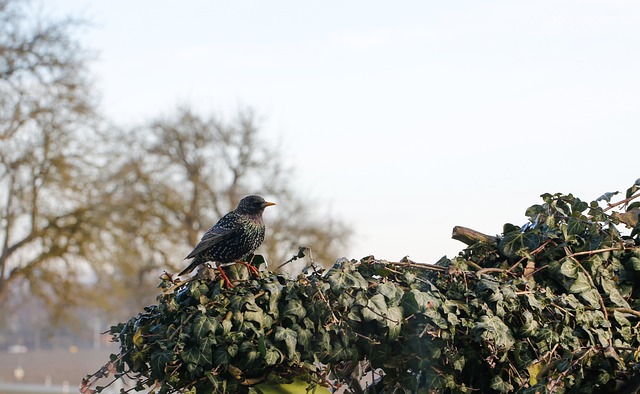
x,y
90,215
48,196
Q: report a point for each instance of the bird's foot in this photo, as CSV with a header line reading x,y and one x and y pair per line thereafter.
x,y
225,278
252,269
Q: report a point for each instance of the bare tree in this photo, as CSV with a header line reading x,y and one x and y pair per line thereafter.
x,y
47,202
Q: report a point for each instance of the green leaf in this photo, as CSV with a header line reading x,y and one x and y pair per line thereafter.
x,y
535,210
202,326
341,280
275,291
512,243
294,310
289,337
226,326
375,309
195,356
569,268
391,292
530,326
581,283
611,290
495,331
254,317
304,336
272,357
206,343
591,296
634,263
159,361
575,226
394,322
498,384
297,387
415,301
232,349
221,356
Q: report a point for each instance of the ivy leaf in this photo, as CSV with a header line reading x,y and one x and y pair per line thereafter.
x,y
304,336
575,226
289,337
391,292
272,356
202,325
254,316
226,326
341,280
394,322
569,268
581,284
592,297
159,361
514,242
534,370
195,356
294,310
611,289
221,356
493,330
498,384
530,326
415,301
634,262
275,291
375,309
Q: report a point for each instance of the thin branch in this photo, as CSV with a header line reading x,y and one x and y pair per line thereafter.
x,y
590,252
621,202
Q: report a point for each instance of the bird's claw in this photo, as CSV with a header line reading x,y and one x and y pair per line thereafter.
x,y
225,278
252,269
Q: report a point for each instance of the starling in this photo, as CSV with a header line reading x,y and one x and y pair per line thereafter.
x,y
234,238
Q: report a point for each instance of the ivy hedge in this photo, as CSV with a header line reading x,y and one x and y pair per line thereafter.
x,y
551,306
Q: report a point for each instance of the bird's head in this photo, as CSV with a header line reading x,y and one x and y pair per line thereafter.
x,y
253,204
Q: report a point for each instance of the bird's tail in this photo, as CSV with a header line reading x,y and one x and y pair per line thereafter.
x,y
194,263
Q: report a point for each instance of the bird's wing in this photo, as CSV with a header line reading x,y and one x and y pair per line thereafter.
x,y
210,238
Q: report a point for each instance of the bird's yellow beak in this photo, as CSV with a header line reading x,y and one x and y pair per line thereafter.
x,y
267,204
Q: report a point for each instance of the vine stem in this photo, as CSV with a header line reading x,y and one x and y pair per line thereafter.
x,y
533,253
626,310
590,252
621,202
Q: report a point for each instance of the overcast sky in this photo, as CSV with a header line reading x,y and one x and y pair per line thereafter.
x,y
403,118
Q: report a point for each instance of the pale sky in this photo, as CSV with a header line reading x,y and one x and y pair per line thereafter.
x,y
402,118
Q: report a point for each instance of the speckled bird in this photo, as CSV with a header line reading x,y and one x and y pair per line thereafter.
x,y
234,238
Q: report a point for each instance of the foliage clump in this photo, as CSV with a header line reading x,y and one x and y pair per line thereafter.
x,y
551,306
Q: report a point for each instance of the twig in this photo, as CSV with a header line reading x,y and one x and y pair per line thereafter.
x,y
590,252
626,200
333,315
490,270
295,257
533,253
191,316
626,310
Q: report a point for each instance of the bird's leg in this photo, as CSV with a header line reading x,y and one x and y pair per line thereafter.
x,y
250,268
225,278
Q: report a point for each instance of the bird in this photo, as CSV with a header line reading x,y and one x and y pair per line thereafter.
x,y
233,238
